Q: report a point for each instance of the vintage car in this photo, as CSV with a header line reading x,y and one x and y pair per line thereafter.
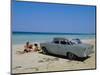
x,y
68,48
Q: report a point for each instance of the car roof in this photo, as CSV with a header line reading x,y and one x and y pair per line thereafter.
x,y
76,39
60,38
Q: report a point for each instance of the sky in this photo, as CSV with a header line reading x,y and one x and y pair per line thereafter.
x,y
57,18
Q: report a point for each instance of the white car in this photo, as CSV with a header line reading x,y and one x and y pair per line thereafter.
x,y
71,49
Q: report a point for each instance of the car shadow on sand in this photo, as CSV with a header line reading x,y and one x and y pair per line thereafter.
x,y
64,57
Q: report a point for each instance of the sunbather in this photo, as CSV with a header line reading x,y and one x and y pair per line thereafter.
x,y
36,48
28,47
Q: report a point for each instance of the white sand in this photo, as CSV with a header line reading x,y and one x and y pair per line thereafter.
x,y
36,62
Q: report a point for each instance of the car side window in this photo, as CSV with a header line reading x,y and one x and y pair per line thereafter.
x,y
63,42
56,42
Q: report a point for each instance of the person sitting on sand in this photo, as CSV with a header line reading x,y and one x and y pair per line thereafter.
x,y
28,47
36,48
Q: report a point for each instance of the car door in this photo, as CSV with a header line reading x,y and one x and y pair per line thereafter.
x,y
53,48
73,49
62,48
57,48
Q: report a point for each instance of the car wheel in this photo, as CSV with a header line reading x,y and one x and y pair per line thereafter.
x,y
44,50
70,56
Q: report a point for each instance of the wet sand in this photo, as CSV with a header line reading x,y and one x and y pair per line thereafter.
x,y
37,62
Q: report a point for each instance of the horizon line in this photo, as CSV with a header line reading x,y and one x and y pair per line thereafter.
x,y
52,33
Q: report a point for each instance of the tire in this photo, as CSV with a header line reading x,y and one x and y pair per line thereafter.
x,y
70,56
44,50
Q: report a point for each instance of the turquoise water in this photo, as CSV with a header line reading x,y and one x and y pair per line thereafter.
x,y
22,38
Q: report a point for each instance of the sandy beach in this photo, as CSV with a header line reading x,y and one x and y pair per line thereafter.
x,y
37,62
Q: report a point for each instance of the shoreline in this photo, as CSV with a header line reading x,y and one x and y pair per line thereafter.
x,y
83,40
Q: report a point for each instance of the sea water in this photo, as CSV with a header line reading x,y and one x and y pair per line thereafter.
x,y
22,38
